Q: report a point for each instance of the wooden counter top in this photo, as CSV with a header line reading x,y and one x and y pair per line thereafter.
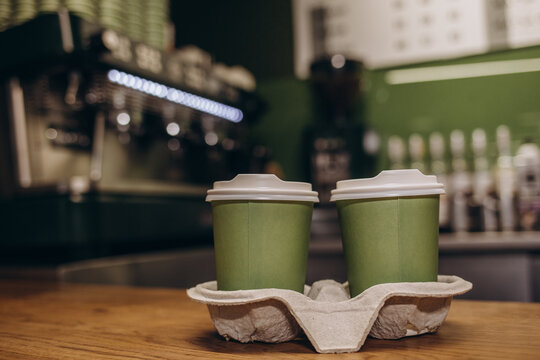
x,y
47,320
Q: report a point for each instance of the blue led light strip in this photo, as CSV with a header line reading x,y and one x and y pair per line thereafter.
x,y
178,96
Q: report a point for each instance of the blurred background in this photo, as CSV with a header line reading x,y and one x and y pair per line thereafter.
x,y
117,116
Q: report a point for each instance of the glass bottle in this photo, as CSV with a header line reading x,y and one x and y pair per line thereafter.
x,y
484,195
439,168
505,179
461,184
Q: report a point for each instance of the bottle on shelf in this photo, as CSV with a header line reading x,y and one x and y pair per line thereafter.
x,y
417,152
371,143
484,195
505,179
460,183
440,169
396,152
527,162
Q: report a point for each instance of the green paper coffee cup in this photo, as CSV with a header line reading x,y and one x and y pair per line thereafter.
x,y
389,227
261,232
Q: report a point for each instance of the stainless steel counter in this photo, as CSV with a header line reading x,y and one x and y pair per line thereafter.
x,y
501,266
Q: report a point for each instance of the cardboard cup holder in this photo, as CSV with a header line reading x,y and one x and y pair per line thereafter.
x,y
325,313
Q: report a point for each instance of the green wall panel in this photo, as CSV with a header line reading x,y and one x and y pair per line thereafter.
x,y
290,111
466,104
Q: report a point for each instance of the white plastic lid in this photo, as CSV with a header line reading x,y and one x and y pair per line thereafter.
x,y
388,183
261,187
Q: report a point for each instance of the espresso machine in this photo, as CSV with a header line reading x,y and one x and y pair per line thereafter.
x,y
108,145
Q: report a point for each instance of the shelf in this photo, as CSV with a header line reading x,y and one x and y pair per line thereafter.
x,y
495,241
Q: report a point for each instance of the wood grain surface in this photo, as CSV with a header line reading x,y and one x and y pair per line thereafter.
x,y
46,320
